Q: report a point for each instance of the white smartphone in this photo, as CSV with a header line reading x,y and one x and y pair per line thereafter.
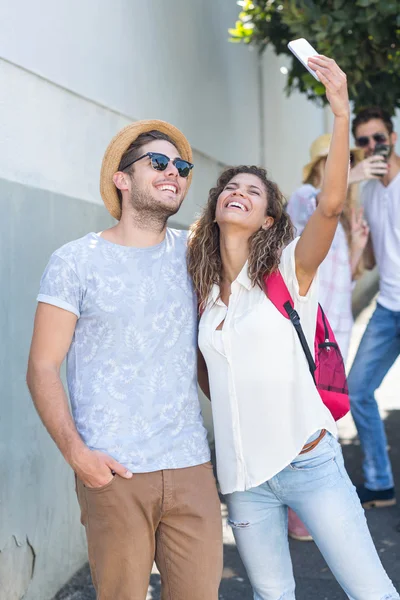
x,y
303,50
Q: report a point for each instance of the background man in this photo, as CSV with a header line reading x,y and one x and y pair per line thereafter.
x,y
380,345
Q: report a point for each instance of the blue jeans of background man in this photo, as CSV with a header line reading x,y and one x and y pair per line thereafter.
x,y
378,350
318,488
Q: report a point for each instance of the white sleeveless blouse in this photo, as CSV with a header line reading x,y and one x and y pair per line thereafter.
x,y
264,401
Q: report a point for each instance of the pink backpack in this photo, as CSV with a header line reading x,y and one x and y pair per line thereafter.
x,y
326,366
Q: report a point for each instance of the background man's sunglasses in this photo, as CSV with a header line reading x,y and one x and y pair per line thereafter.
x,y
159,162
363,141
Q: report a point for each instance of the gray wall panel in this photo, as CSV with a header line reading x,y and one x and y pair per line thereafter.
x,y
41,539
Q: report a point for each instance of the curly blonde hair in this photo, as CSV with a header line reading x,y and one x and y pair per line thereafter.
x,y
265,245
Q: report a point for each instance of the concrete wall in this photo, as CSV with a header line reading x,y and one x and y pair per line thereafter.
x,y
145,59
41,540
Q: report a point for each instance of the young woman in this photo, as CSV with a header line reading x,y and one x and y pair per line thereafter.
x,y
275,440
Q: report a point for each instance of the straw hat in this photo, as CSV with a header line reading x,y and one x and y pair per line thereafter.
x,y
320,148
120,143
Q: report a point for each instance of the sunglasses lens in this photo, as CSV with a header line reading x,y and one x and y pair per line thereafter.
x,y
362,141
159,162
183,167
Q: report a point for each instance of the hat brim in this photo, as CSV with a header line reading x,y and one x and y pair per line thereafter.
x,y
307,170
120,143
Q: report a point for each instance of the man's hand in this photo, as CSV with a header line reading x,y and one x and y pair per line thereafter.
x,y
373,167
95,469
335,82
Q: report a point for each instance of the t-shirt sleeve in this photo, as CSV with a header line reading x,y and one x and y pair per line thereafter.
x,y
307,305
60,286
301,206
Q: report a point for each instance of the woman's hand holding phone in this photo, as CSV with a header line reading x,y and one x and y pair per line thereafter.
x,y
326,71
335,82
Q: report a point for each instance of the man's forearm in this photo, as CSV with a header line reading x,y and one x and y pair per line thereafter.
x,y
51,403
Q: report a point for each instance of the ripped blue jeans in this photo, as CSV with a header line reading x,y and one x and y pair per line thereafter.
x,y
317,487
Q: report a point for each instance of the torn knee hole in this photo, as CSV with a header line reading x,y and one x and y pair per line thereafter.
x,y
238,524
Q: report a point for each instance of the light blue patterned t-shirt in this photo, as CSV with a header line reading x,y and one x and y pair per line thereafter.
x,y
131,367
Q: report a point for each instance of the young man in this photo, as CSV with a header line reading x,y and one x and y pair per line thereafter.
x,y
121,305
380,345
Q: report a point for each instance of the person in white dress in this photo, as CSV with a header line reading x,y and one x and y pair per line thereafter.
x,y
343,263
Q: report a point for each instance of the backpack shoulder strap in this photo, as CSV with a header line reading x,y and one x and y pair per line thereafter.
x,y
278,293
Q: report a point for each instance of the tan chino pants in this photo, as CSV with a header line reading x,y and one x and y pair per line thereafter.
x,y
172,517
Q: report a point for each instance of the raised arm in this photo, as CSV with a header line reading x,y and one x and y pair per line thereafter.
x,y
52,336
318,234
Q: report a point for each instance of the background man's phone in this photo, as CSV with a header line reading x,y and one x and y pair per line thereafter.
x,y
303,51
382,150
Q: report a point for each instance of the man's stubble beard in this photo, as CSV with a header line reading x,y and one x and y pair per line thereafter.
x,y
147,212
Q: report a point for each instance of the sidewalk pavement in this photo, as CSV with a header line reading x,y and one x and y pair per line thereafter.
x,y
313,577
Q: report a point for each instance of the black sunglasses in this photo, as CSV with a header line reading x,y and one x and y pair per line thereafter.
x,y
159,162
363,140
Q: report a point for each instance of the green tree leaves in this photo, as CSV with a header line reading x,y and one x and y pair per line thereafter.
x,y
363,36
